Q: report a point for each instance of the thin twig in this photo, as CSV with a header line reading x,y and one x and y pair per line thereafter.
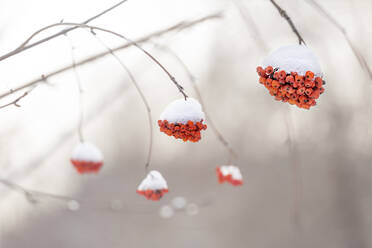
x,y
15,102
31,195
177,27
144,100
192,79
24,46
80,89
284,14
362,61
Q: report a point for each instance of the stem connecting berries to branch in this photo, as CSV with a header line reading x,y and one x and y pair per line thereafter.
x,y
284,14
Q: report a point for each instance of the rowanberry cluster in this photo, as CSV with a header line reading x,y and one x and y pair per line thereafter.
x,y
86,166
229,173
154,195
291,87
188,131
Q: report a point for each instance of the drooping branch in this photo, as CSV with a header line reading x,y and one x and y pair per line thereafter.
x,y
362,61
143,98
284,14
24,46
192,79
177,27
80,89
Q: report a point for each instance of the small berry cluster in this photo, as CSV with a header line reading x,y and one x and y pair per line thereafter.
x,y
291,87
188,131
153,195
86,166
227,177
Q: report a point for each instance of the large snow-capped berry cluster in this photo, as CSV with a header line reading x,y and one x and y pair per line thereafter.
x,y
87,158
292,74
153,187
183,119
229,173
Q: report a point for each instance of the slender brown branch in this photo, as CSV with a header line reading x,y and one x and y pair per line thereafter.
x,y
362,61
15,102
80,89
284,14
177,27
171,77
24,46
143,98
192,80
31,195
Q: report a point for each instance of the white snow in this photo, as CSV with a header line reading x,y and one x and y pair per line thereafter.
x,y
294,58
231,170
87,152
154,181
181,111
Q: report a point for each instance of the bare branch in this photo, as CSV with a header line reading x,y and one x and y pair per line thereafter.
x,y
80,89
171,77
362,61
24,45
284,14
177,27
15,102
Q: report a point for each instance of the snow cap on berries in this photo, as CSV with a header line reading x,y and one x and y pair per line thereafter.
x,y
229,173
86,158
294,58
154,181
181,111
153,187
87,152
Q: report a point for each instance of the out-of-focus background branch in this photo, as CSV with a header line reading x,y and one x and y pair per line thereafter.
x,y
333,139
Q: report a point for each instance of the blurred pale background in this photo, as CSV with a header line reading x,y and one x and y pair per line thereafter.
x,y
332,140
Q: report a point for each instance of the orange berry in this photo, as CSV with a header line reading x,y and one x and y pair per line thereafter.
x,y
269,70
309,75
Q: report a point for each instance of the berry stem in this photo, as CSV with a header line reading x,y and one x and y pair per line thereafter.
x,y
284,14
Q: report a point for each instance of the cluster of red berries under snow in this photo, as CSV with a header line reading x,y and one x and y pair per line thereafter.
x,y
230,174
87,158
292,74
153,187
183,119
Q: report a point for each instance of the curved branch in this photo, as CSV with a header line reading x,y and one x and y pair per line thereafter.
x,y
171,77
362,61
177,27
80,89
284,14
24,45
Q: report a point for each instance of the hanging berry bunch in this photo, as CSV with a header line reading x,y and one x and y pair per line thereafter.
x,y
183,119
229,173
292,74
87,158
153,187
